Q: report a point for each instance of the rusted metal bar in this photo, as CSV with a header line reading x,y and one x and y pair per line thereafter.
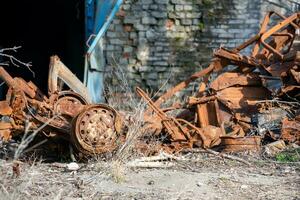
x,y
17,84
264,28
7,78
236,58
57,70
201,100
184,84
274,29
247,43
169,123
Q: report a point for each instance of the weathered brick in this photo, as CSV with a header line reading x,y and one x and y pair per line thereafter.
x,y
117,41
187,7
179,7
143,2
149,20
161,63
159,14
161,1
130,20
186,21
128,49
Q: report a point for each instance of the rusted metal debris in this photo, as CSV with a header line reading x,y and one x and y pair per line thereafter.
x,y
256,100
92,129
264,76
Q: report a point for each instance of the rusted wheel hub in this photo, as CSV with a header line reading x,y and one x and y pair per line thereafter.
x,y
69,103
96,130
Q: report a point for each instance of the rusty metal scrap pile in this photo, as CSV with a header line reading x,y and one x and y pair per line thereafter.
x,y
254,99
66,114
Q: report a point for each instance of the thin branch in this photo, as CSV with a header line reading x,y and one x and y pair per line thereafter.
x,y
4,64
15,48
28,137
16,62
231,157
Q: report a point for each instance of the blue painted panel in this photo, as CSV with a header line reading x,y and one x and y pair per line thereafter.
x,y
99,15
106,24
89,17
104,8
97,12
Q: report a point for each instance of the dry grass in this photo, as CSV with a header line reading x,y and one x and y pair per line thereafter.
x,y
118,171
134,120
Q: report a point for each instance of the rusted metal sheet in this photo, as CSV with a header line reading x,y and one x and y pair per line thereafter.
x,y
242,98
207,114
5,109
229,79
177,132
278,69
236,58
179,129
237,144
212,134
5,135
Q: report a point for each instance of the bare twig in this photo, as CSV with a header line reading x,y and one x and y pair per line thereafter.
x,y
231,157
15,48
152,164
4,64
16,62
162,160
35,146
28,137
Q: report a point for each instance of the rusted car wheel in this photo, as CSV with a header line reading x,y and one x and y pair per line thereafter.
x,y
96,130
69,103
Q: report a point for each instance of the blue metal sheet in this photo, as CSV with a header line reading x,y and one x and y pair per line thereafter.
x,y
103,10
99,15
105,26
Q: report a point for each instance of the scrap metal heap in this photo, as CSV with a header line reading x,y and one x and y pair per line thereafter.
x,y
68,114
255,97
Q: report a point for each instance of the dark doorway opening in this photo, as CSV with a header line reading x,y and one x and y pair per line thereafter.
x,y
43,29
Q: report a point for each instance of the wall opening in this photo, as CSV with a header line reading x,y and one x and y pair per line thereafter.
x,y
44,28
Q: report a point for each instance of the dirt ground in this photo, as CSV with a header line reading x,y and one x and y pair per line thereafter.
x,y
206,177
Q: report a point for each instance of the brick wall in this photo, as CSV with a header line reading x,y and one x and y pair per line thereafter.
x,y
160,42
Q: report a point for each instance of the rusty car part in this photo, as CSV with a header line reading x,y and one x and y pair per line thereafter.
x,y
96,129
69,103
59,72
236,144
67,109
